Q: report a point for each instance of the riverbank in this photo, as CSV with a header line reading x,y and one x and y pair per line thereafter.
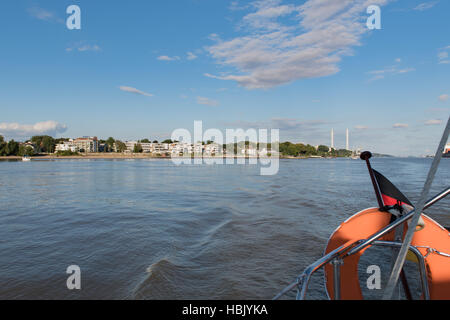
x,y
123,156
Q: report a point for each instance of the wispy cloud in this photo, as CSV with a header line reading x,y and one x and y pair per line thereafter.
x,y
426,5
443,97
443,55
51,128
167,58
392,70
361,127
313,39
83,47
191,56
44,14
207,102
135,91
433,122
400,126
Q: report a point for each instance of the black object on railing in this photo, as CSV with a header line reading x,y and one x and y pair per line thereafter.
x,y
365,156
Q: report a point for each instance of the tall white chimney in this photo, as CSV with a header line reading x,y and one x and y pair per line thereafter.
x,y
332,138
348,141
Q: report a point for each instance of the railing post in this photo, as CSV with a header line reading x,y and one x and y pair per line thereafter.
x,y
337,263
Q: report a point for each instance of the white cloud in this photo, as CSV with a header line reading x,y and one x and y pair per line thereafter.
x,y
167,58
426,5
26,130
394,70
135,91
434,122
207,102
443,55
43,14
83,47
361,127
191,56
398,60
400,125
316,36
443,97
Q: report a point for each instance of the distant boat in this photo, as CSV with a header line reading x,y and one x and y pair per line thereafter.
x,y
447,151
26,159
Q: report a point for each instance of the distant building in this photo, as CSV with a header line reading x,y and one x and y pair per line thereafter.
x,y
130,145
161,148
87,144
181,149
66,146
212,149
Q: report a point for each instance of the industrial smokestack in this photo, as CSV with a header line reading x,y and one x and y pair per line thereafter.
x,y
332,138
347,146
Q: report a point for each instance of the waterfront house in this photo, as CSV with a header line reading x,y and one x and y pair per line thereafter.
x,y
66,146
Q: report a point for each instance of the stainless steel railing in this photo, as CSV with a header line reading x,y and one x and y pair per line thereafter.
x,y
350,248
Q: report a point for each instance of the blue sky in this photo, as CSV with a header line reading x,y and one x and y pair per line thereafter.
x,y
140,69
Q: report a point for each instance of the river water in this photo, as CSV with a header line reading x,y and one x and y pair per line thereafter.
x,y
147,229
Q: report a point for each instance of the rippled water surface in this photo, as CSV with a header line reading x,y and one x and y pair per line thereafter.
x,y
146,229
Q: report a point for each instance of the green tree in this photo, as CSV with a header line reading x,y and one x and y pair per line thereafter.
x,y
110,144
145,141
45,144
167,141
323,149
138,148
29,151
120,146
12,148
3,146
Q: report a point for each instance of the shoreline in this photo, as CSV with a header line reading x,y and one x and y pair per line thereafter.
x,y
120,156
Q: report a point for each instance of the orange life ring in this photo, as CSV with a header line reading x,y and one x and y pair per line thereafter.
x,y
366,223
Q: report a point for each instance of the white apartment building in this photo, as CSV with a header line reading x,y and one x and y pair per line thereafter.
x,y
212,149
161,148
181,148
130,145
66,146
87,144
146,147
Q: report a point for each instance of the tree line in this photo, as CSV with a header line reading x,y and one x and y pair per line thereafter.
x,y
47,144
300,149
13,148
